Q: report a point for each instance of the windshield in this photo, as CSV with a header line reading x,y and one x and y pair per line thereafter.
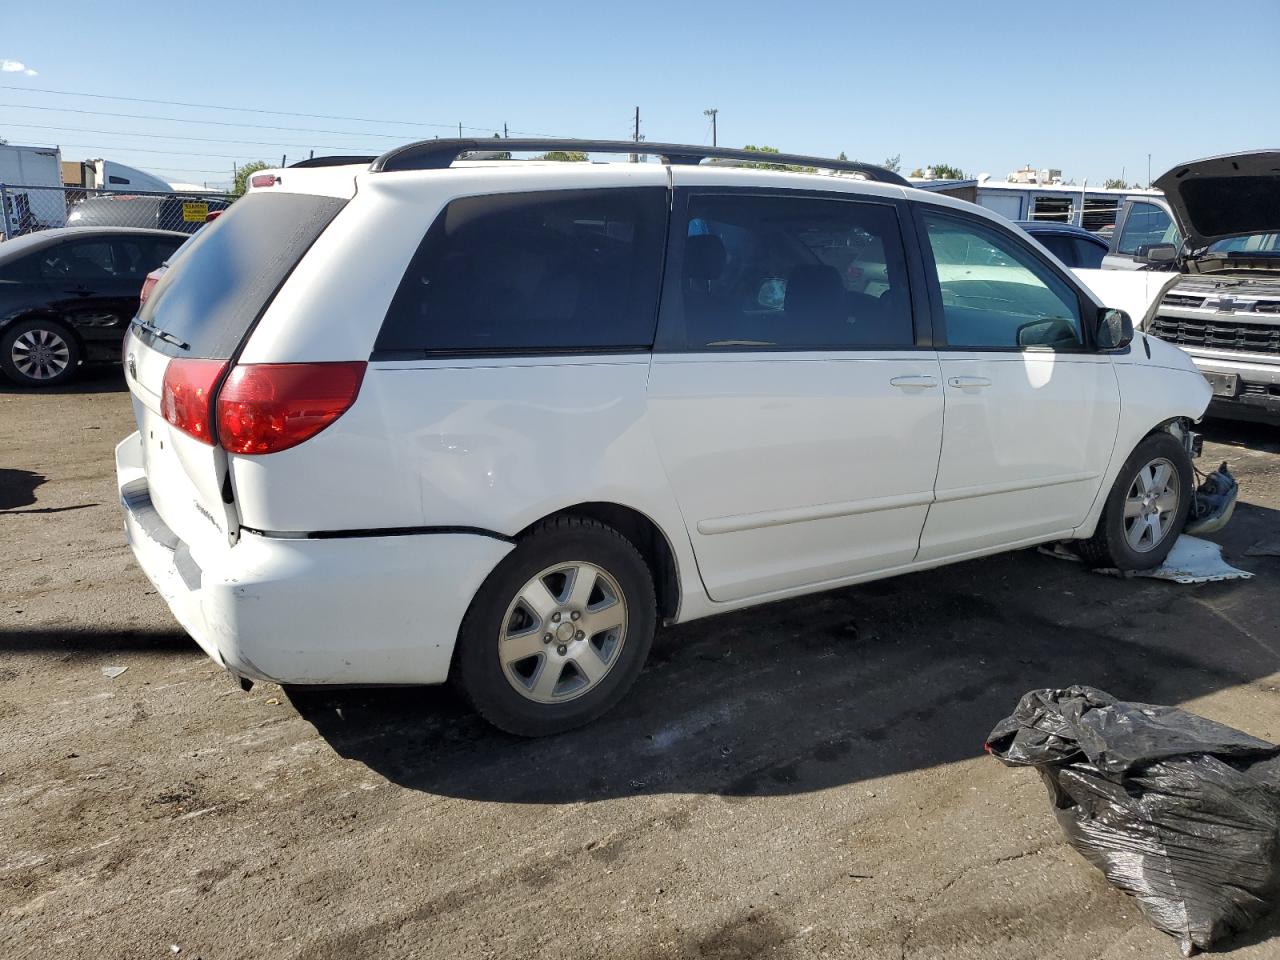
x,y
1253,243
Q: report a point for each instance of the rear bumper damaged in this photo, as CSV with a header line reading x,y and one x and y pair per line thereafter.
x,y
355,610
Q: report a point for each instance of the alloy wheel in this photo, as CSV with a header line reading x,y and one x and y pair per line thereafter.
x,y
563,632
40,354
1151,505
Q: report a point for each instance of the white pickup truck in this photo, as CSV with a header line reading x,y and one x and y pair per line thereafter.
x,y
1208,280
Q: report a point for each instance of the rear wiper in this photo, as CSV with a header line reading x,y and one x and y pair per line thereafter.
x,y
161,334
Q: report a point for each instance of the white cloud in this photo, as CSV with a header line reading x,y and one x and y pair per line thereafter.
x,y
16,66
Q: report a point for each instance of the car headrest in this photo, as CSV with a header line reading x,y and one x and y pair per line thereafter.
x,y
704,257
814,291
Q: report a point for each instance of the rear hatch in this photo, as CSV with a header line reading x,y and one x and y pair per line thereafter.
x,y
186,338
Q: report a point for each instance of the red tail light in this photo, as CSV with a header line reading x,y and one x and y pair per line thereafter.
x,y
213,215
186,397
264,180
268,407
149,284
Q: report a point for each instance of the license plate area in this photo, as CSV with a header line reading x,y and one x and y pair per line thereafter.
x,y
1223,384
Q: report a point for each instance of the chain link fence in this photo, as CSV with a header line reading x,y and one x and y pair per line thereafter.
x,y
29,209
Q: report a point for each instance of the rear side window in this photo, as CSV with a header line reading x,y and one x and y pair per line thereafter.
x,y
543,272
783,272
228,274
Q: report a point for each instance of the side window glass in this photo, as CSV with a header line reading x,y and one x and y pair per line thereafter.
x,y
995,293
85,261
130,258
1146,225
776,271
542,272
1061,247
1088,254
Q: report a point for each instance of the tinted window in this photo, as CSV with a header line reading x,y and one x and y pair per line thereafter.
x,y
792,273
534,272
84,260
227,275
1061,247
1145,225
995,293
135,257
1089,253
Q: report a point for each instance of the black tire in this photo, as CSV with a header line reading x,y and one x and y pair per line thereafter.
x,y
497,610
1110,546
56,365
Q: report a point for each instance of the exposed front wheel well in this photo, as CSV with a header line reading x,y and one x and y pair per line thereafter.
x,y
645,535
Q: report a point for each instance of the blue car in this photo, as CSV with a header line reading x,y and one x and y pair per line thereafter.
x,y
1075,246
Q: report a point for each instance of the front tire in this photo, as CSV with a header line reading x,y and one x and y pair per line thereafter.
x,y
1146,509
559,631
39,353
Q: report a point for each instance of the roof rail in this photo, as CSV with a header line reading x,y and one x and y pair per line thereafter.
x,y
334,161
439,154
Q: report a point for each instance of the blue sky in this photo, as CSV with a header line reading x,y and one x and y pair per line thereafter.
x,y
1091,89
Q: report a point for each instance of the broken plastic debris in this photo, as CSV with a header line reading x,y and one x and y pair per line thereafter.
x,y
1214,502
112,672
1191,560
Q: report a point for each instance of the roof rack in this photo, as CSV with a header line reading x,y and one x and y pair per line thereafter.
x,y
440,154
334,161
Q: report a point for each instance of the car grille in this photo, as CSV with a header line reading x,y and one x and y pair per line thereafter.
x,y
1227,334
1183,300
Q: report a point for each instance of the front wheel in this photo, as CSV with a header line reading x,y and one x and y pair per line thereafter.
x,y
559,631
1146,508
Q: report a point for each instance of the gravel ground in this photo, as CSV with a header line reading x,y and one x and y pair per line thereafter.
x,y
802,780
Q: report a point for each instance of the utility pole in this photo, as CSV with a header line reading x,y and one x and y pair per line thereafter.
x,y
504,129
459,129
635,157
712,114
1148,171
284,160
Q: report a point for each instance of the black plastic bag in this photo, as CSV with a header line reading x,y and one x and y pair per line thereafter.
x,y
1180,812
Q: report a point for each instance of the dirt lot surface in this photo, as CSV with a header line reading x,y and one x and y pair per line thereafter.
x,y
803,780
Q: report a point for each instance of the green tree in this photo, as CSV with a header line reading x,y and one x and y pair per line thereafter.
x,y
842,156
917,172
772,166
1115,183
945,171
566,156
243,173
893,163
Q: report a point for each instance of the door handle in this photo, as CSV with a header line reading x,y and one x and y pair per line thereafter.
x,y
908,383
968,383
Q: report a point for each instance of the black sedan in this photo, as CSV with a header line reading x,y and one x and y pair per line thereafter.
x,y
68,295
1074,246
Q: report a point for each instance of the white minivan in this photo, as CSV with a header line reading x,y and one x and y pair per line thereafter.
x,y
433,417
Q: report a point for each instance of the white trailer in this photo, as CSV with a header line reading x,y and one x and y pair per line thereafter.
x,y
23,206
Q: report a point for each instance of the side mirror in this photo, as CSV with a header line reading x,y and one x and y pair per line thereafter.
x,y
1158,254
1114,330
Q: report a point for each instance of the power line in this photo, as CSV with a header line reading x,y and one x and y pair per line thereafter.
x,y
258,110
215,106
218,123
165,136
167,153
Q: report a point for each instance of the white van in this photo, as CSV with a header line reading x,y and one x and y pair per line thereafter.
x,y
494,420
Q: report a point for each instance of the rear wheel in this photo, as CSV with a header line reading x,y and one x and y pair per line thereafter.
x,y
39,353
559,631
1146,508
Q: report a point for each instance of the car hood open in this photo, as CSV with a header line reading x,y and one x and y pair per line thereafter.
x,y
1229,196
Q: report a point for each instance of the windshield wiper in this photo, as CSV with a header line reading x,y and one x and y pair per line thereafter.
x,y
161,334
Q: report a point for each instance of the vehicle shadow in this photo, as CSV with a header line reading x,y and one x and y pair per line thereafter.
x,y
46,639
1242,433
18,487
91,378
824,691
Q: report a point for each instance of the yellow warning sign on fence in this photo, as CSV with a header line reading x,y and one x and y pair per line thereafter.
x,y
195,212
